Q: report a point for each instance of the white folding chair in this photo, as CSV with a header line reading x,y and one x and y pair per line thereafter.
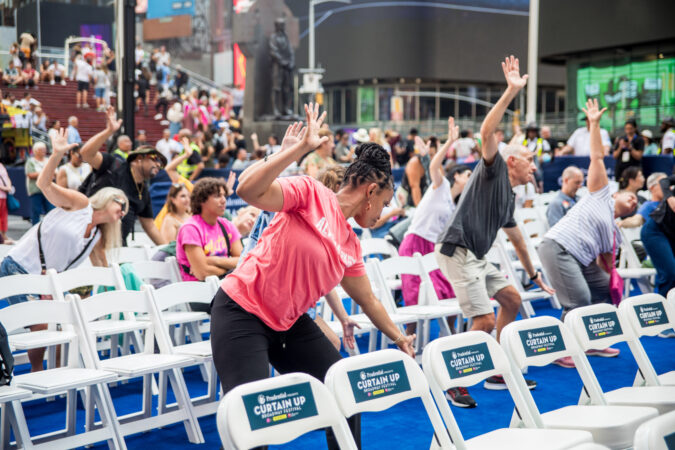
x,y
199,350
652,394
121,255
424,311
376,246
277,410
656,434
68,379
12,418
538,342
648,315
630,267
143,364
166,270
377,381
468,358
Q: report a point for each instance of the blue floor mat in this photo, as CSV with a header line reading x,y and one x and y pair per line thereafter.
x,y
404,426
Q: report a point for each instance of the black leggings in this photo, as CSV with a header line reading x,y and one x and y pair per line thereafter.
x,y
244,347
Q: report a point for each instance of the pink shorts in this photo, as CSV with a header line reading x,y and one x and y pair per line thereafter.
x,y
3,215
412,244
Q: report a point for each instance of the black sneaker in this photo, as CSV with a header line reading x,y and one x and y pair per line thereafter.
x,y
460,397
496,383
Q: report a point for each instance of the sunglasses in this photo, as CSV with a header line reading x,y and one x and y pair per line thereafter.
x,y
156,159
120,202
178,185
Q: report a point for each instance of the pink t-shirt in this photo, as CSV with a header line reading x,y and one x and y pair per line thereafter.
x,y
210,237
304,253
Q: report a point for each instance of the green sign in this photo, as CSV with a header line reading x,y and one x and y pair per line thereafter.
x,y
636,90
651,314
469,360
670,441
379,381
367,104
604,325
540,341
276,406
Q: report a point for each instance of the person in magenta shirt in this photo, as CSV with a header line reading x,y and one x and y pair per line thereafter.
x,y
259,315
207,244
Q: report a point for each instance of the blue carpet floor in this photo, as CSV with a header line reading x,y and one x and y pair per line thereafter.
x,y
403,427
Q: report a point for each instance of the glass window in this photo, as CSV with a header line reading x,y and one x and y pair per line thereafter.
x,y
367,104
428,104
384,99
336,104
448,105
481,94
465,104
350,105
408,103
550,101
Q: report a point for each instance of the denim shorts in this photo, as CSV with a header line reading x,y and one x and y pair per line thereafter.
x,y
10,267
99,92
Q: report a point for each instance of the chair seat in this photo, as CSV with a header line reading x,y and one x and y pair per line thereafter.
x,y
637,272
42,338
62,379
455,302
397,318
659,397
11,393
526,439
199,349
667,379
143,363
528,296
108,327
336,327
613,426
177,317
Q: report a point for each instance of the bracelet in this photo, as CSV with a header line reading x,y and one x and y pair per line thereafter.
x,y
535,276
399,339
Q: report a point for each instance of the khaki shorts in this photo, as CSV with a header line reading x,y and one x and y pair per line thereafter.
x,y
474,280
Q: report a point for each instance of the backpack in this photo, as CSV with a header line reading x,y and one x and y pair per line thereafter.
x,y
97,180
6,358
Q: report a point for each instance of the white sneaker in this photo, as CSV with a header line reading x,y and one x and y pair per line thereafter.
x,y
51,82
157,116
63,82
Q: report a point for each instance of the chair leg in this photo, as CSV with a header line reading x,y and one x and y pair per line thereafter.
x,y
13,418
71,412
89,411
106,409
161,397
183,399
147,395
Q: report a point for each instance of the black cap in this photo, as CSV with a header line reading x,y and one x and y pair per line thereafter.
x,y
670,120
146,150
532,126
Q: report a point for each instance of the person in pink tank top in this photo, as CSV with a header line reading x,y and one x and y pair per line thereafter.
x,y
259,313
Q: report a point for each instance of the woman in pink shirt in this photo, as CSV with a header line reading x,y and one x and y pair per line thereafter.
x,y
258,315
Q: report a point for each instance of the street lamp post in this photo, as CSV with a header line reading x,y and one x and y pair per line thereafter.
x,y
532,59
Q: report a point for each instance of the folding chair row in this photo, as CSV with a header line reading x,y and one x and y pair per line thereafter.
x,y
630,267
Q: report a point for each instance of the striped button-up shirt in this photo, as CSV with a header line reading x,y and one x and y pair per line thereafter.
x,y
588,229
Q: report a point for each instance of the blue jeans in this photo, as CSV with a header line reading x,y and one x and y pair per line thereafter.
x,y
662,253
39,204
10,267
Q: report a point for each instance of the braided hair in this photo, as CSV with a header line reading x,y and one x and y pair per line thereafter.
x,y
372,165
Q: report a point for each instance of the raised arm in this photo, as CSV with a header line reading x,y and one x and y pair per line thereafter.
x,y
515,83
61,197
597,173
258,185
436,171
89,151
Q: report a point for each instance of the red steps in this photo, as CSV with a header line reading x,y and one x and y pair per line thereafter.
x,y
58,102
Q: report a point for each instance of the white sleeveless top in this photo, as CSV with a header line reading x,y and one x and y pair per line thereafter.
x,y
433,212
76,175
62,240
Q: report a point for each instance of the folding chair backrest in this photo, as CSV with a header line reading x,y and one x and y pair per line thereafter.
x,y
598,326
277,410
374,270
26,284
629,258
162,270
399,265
88,276
648,314
379,380
656,434
377,246
122,255
671,296
541,340
186,292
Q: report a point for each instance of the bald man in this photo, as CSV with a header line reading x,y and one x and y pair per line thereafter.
x,y
572,180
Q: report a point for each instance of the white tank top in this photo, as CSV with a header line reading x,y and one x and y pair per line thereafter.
x,y
433,212
62,240
76,175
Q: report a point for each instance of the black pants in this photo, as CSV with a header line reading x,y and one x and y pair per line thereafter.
x,y
243,347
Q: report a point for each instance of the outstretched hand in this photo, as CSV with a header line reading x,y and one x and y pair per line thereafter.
x,y
406,345
112,122
311,138
294,134
348,333
453,131
592,110
231,179
60,145
511,68
421,146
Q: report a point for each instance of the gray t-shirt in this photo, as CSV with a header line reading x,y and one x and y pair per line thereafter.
x,y
486,205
